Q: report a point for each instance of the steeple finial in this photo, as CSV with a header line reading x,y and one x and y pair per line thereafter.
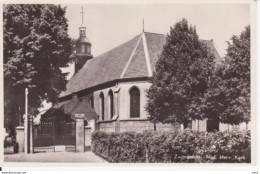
x,y
143,24
82,13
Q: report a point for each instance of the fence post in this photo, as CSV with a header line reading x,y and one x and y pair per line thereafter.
x,y
20,137
146,155
80,133
31,132
54,135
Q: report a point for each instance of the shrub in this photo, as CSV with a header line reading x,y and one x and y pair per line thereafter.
x,y
165,147
10,142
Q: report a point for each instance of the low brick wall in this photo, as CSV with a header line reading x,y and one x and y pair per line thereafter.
x,y
87,136
134,125
20,138
107,126
202,125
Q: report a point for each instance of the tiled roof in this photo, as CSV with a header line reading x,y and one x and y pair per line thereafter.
x,y
101,69
137,66
155,44
69,108
128,60
213,49
83,107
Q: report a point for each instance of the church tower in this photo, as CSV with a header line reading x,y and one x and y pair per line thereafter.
x,y
83,47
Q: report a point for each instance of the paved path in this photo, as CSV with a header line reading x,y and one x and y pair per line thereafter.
x,y
86,157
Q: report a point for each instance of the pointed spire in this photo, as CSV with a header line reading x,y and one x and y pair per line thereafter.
x,y
82,15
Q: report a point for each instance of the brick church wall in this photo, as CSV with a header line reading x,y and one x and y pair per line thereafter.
x,y
107,126
137,125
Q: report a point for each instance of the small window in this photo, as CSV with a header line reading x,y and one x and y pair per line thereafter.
x,y
102,106
88,49
82,32
83,48
134,103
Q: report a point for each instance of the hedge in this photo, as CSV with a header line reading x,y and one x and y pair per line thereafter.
x,y
166,147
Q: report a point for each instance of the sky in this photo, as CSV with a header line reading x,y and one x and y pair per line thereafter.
x,y
109,25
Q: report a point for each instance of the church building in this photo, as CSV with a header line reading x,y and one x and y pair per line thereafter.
x,y
110,89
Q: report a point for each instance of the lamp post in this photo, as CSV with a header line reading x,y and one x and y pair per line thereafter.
x,y
26,122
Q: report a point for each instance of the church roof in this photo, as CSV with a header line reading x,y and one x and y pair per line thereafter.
x,y
135,58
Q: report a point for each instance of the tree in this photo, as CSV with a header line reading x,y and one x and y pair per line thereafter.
x,y
36,46
228,99
181,76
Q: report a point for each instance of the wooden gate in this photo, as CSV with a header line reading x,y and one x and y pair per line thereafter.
x,y
51,134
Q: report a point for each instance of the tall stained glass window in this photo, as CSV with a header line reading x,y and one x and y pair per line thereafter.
x,y
134,103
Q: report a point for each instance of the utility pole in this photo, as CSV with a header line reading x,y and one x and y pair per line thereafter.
x,y
26,122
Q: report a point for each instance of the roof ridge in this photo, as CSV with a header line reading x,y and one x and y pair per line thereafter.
x,y
218,51
131,57
155,33
147,57
100,55
166,35
119,65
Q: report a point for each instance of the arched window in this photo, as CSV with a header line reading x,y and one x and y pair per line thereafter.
x,y
134,102
102,106
111,103
92,101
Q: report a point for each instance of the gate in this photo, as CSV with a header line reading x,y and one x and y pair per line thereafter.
x,y
66,135
51,134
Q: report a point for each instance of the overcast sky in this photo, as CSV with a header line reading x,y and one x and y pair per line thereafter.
x,y
109,25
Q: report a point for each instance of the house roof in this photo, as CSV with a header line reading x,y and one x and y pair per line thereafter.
x,y
133,59
69,108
